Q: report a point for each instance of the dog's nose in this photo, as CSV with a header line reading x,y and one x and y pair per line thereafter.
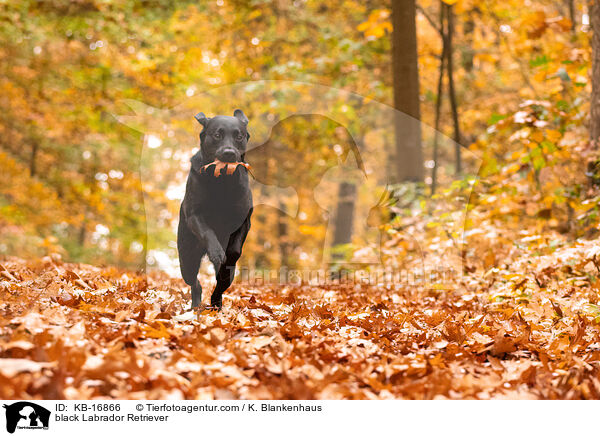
x,y
228,156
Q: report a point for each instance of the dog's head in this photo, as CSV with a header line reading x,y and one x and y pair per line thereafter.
x,y
224,138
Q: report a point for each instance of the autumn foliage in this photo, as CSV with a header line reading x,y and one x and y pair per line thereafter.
x,y
72,331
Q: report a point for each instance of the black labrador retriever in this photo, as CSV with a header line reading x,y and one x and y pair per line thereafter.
x,y
214,218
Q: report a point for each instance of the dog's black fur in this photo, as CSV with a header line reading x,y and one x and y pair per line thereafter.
x,y
214,218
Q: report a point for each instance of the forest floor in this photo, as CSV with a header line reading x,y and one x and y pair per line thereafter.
x,y
71,331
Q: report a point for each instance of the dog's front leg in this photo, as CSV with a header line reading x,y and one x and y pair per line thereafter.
x,y
232,254
207,237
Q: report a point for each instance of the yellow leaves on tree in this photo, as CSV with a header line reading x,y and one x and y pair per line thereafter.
x,y
377,24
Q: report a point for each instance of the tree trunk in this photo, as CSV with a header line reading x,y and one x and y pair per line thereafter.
x,y
344,214
82,233
282,235
595,101
438,102
451,90
572,15
468,52
409,153
32,159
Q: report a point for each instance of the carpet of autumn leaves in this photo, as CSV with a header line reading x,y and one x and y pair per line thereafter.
x,y
73,331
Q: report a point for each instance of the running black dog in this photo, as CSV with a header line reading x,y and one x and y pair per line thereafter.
x,y
214,218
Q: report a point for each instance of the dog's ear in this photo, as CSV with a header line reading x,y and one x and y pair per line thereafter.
x,y
240,116
201,118
197,161
243,118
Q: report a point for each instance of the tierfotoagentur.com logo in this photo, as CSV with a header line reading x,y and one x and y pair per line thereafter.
x,y
24,415
353,275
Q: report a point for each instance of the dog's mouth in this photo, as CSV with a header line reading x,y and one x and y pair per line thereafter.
x,y
218,167
228,155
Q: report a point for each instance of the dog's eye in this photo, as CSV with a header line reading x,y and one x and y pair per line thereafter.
x,y
217,135
239,137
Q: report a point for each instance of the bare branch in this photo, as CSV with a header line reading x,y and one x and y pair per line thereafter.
x,y
430,20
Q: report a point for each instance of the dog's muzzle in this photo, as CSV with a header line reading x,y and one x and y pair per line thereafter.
x,y
228,154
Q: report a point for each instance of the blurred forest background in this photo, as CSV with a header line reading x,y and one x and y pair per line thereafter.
x,y
506,83
458,135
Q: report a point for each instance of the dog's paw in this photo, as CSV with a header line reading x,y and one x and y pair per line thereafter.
x,y
216,302
216,255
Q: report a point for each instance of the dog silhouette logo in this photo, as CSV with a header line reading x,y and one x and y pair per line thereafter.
x,y
26,415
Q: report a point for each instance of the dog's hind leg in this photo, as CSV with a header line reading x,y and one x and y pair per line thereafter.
x,y
190,255
232,254
196,294
224,279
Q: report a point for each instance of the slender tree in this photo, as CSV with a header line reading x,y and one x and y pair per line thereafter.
x,y
344,215
572,14
446,31
438,101
451,89
595,100
409,153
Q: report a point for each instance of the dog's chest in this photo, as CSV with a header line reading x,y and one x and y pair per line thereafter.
x,y
226,205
